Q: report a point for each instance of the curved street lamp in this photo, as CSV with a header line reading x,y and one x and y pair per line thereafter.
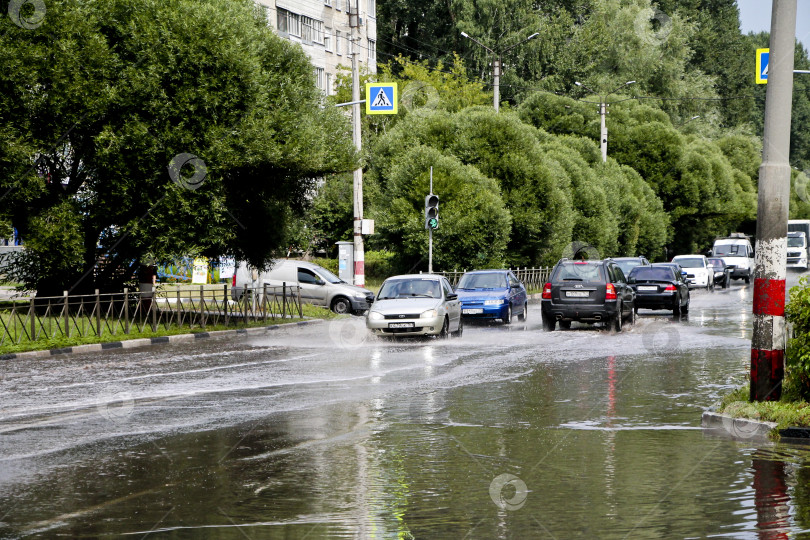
x,y
602,105
496,64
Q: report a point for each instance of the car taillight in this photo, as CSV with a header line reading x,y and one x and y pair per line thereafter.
x,y
233,280
610,292
670,288
547,291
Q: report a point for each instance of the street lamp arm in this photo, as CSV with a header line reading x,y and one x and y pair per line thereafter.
x,y
619,87
585,87
468,36
520,42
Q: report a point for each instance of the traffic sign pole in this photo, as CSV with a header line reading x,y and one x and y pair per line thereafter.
x,y
430,232
770,271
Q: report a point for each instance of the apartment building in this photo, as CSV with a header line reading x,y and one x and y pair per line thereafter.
x,y
324,29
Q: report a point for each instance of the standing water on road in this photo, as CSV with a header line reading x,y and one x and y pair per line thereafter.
x,y
306,432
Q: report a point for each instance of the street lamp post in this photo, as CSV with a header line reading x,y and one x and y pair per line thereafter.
x,y
496,65
602,111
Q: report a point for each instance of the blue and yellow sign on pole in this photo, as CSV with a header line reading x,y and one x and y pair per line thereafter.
x,y
381,98
762,65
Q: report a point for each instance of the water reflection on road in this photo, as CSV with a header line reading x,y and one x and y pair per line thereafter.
x,y
319,431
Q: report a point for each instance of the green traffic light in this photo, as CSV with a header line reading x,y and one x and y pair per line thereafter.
x,y
433,223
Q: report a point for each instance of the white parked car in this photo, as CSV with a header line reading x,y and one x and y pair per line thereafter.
x,y
416,305
699,273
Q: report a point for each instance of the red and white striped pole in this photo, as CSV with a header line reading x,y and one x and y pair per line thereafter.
x,y
768,340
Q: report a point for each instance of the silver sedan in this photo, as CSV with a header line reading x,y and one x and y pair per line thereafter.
x,y
416,305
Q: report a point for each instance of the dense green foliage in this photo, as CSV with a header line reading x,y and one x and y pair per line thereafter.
x,y
97,102
797,361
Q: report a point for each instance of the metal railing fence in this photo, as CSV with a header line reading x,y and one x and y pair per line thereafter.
x,y
532,278
115,314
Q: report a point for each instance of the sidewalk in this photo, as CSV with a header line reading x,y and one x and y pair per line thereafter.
x,y
8,292
143,342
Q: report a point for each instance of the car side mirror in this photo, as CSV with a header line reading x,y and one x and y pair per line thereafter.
x,y
751,255
452,296
320,282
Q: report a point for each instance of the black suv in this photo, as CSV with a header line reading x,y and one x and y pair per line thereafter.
x,y
587,291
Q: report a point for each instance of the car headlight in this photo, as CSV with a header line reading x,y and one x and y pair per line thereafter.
x,y
375,316
497,302
429,314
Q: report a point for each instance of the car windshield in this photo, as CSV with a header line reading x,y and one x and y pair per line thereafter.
x,y
690,262
491,280
649,273
411,287
328,276
579,271
734,250
627,266
795,241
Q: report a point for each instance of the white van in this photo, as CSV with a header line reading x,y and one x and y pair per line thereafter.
x,y
318,285
737,253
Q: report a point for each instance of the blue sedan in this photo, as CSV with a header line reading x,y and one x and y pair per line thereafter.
x,y
492,294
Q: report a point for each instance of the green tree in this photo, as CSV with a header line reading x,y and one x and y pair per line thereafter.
x,y
474,223
99,100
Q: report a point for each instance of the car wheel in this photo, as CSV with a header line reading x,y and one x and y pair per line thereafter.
x,y
632,318
617,320
460,330
748,279
444,333
727,282
565,325
685,307
508,318
677,309
549,324
341,305
522,316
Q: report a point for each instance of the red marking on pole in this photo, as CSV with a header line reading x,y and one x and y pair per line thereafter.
x,y
769,297
359,268
770,364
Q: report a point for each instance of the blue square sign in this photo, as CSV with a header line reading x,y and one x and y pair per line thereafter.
x,y
381,98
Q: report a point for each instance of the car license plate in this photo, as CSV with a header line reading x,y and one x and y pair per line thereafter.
x,y
476,311
400,325
577,294
647,288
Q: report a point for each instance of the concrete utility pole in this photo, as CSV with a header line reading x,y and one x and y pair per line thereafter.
x,y
768,341
603,133
497,64
359,251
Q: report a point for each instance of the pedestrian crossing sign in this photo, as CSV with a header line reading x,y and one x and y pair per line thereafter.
x,y
381,98
762,65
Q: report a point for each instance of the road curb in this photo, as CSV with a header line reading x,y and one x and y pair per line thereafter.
x,y
143,342
738,428
748,429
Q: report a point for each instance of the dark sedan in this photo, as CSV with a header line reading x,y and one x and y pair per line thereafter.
x,y
660,287
722,272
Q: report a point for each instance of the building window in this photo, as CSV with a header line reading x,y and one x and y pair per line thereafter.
x,y
288,22
328,84
317,31
338,42
348,6
372,50
306,29
327,39
349,46
327,3
371,9
320,79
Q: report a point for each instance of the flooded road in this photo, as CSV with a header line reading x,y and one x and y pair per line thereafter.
x,y
321,431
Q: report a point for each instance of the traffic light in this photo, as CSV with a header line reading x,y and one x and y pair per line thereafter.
x,y
432,212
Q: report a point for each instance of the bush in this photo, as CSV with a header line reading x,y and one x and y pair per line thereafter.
x,y
797,361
